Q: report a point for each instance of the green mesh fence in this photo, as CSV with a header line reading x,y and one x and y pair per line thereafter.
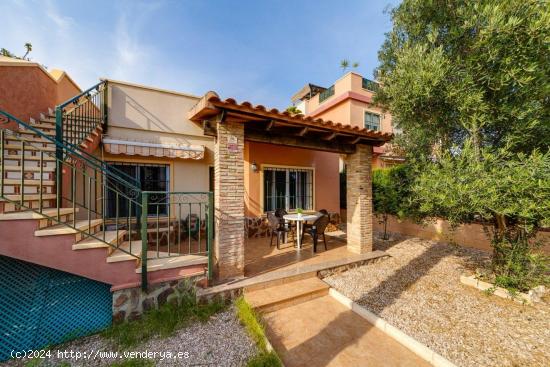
x,y
40,307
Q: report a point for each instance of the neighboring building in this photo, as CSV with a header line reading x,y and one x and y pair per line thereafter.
x,y
349,101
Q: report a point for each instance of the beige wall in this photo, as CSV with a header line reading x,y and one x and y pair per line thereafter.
x,y
469,235
151,115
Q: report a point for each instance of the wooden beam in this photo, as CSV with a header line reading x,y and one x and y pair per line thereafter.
x,y
260,136
356,140
303,131
270,125
221,116
208,129
330,136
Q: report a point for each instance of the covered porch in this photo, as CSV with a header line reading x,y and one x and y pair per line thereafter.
x,y
235,126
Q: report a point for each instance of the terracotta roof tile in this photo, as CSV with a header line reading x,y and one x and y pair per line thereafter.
x,y
211,102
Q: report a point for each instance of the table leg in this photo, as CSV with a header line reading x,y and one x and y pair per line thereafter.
x,y
299,233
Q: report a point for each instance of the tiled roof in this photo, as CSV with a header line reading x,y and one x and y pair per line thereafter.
x,y
211,104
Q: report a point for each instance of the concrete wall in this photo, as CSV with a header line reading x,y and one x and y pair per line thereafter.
x,y
469,235
326,177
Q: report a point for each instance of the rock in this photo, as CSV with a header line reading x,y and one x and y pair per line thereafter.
x,y
119,317
537,293
148,304
163,296
121,299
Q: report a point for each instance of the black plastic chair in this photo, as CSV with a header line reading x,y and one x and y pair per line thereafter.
x,y
322,211
277,227
317,228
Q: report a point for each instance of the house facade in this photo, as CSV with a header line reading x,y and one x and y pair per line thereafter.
x,y
135,186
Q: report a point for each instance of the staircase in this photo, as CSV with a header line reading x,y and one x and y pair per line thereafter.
x,y
286,292
53,205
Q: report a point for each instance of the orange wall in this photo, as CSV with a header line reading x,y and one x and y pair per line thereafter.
x,y
326,180
27,91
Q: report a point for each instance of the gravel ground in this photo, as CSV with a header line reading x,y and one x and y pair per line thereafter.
x,y
418,290
221,341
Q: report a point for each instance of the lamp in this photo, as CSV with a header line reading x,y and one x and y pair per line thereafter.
x,y
254,167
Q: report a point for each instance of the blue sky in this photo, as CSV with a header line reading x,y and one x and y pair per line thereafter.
x,y
261,51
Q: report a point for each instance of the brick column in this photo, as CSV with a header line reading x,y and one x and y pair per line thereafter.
x,y
359,199
229,200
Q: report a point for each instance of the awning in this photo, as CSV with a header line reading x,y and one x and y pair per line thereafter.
x,y
145,149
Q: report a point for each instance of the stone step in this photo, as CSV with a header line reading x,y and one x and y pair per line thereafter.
x,y
120,255
287,294
90,242
32,139
28,214
34,169
17,147
28,157
29,132
30,197
28,182
171,262
60,229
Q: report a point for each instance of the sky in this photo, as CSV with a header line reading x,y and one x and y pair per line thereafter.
x,y
262,51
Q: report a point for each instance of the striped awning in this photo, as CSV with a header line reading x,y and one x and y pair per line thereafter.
x,y
145,149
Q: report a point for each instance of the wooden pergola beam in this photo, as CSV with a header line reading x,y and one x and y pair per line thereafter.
x,y
303,131
313,143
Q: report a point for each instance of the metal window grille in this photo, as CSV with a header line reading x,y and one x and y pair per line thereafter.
x,y
151,177
288,188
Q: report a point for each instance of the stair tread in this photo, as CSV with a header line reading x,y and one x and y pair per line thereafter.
x,y
90,242
119,255
64,229
285,292
172,262
29,147
27,197
30,182
17,157
28,169
29,214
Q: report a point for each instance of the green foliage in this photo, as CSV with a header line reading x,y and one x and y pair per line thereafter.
x,y
28,49
457,70
134,362
255,329
345,64
294,110
265,360
390,191
162,322
467,82
509,191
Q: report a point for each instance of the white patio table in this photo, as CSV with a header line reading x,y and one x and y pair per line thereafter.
x,y
300,219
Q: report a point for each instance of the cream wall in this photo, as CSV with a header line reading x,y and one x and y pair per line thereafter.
x,y
152,115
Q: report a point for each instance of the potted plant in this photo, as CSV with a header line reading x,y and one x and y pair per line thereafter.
x,y
299,211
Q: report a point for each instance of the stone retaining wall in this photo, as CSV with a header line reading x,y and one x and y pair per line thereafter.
x,y
129,304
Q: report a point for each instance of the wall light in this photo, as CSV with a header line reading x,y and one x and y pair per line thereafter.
x,y
254,167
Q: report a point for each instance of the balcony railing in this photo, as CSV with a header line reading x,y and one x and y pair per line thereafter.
x,y
327,93
370,85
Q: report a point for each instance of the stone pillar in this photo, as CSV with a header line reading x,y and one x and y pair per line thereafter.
x,y
229,200
359,199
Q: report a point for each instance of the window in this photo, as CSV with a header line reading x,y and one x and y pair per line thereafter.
x,y
370,85
288,188
372,121
152,177
327,93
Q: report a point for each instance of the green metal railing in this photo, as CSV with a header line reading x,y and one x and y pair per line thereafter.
x,y
327,93
370,85
155,224
175,224
78,117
